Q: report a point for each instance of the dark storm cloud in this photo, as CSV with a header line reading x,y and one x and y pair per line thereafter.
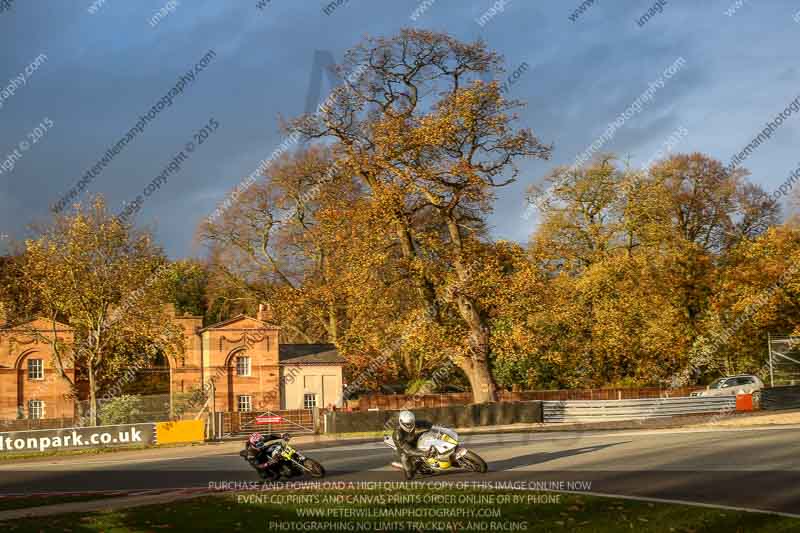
x,y
104,69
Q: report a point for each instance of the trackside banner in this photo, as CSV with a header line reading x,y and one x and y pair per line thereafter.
x,y
70,438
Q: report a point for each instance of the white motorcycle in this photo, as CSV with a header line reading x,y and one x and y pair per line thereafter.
x,y
449,453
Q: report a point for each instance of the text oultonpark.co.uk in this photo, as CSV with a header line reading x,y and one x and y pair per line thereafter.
x,y
72,440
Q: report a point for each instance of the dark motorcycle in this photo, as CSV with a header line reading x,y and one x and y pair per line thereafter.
x,y
290,463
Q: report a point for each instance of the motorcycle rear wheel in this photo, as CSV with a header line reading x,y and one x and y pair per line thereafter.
x,y
473,462
314,468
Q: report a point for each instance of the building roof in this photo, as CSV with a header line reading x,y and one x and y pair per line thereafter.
x,y
309,354
225,324
37,324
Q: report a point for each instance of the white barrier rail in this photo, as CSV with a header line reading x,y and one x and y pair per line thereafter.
x,y
618,410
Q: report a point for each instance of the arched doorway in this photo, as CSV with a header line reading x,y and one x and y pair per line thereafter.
x,y
40,392
151,384
152,380
237,364
30,370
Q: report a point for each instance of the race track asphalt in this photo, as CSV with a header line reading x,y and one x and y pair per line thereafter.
x,y
756,468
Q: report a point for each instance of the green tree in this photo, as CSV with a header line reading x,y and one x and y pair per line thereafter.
x,y
122,409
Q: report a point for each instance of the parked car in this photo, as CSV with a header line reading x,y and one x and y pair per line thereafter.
x,y
731,386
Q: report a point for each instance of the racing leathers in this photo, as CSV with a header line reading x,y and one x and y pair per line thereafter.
x,y
406,444
267,450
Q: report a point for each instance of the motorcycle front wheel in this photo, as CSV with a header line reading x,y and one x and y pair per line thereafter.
x,y
472,461
314,468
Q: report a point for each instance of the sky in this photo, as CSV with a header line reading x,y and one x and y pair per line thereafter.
x,y
93,69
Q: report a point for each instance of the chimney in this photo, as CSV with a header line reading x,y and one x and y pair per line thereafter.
x,y
264,312
169,309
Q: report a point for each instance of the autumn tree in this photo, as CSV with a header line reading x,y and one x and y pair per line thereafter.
x,y
634,260
374,237
268,247
15,300
757,290
430,142
101,277
581,214
304,241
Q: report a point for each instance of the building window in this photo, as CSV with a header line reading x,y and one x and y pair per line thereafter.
x,y
35,409
245,404
35,369
309,401
243,366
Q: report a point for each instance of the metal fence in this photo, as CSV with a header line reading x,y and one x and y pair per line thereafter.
x,y
784,360
640,409
149,408
294,422
27,424
411,401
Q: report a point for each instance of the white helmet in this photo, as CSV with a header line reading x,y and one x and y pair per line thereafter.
x,y
407,421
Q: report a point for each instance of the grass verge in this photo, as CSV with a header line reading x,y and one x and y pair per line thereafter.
x,y
414,510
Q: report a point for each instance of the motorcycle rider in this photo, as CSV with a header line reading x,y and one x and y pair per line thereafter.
x,y
405,437
266,449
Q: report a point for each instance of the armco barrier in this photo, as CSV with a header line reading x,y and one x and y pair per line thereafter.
x,y
780,398
619,410
456,416
408,401
180,431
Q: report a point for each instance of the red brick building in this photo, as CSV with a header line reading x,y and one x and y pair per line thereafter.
x,y
29,385
250,369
